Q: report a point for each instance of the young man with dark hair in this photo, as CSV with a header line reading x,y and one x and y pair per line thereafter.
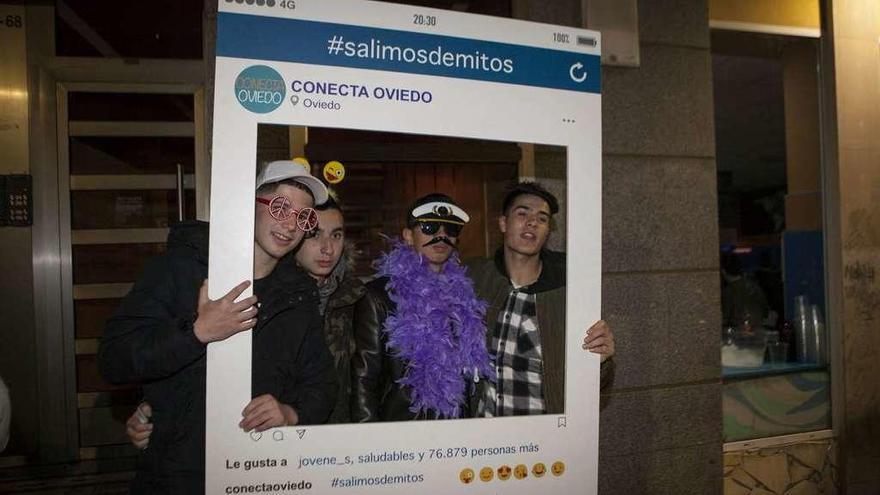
x,y
159,335
525,288
419,332
324,256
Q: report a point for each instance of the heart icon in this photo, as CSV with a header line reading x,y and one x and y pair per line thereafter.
x,y
294,99
256,435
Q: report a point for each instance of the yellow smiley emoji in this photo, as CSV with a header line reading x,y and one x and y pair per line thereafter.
x,y
557,468
466,475
334,172
520,471
504,473
539,469
486,474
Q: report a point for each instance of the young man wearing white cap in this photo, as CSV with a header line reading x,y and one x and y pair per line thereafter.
x,y
159,335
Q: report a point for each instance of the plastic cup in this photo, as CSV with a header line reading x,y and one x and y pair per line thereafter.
x,y
777,352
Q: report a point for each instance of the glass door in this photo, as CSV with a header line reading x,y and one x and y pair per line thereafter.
x,y
129,156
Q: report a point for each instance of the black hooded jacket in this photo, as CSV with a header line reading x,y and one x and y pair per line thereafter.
x,y
150,341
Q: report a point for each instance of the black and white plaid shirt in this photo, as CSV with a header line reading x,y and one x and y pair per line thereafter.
x,y
518,362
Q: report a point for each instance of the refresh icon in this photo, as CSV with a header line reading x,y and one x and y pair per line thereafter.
x,y
577,72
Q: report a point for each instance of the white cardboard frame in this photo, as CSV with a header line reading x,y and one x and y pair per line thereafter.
x,y
460,107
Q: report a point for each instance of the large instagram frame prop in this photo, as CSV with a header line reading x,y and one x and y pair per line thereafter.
x,y
447,74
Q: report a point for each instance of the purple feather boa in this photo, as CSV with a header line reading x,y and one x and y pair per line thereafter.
x,y
437,330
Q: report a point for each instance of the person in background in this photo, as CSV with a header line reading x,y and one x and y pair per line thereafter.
x,y
743,303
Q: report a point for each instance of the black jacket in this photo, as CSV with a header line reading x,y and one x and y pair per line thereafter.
x,y
150,341
376,395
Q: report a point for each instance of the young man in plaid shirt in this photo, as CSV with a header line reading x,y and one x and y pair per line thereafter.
x,y
525,288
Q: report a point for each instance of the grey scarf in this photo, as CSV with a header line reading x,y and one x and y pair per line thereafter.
x,y
330,284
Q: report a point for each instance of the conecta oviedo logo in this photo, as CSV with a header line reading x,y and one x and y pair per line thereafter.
x,y
260,89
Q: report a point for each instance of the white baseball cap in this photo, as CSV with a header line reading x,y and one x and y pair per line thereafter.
x,y
280,170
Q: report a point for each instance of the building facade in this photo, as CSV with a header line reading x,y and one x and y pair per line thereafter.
x,y
114,129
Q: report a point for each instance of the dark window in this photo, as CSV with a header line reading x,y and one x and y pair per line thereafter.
x,y
170,29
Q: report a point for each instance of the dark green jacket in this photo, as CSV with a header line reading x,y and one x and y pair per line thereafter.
x,y
338,318
492,284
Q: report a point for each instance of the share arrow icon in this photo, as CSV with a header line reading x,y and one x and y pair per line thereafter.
x,y
301,432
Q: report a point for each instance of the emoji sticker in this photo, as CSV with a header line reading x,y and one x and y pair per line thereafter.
x,y
539,469
305,163
486,474
520,471
504,473
334,172
557,468
466,475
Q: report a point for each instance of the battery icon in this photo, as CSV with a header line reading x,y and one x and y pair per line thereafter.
x,y
586,41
